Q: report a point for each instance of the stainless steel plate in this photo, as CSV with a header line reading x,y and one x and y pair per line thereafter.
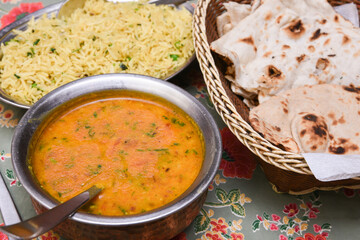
x,y
7,34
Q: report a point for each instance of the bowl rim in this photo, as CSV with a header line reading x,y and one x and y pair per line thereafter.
x,y
32,115
54,8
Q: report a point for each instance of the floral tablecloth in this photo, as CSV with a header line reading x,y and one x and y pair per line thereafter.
x,y
240,204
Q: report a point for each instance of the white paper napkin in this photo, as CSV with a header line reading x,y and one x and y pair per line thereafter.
x,y
331,167
349,12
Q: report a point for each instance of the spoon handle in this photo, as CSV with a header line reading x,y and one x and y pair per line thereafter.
x,y
44,222
9,212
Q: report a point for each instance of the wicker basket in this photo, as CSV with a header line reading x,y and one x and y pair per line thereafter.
x,y
286,171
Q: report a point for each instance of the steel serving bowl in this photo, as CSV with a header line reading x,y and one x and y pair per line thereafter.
x,y
162,223
6,34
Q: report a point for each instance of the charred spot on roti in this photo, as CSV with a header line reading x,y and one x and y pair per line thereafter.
x,y
352,88
322,63
331,55
345,40
310,117
302,133
273,72
342,120
295,29
285,46
327,41
336,150
248,40
314,147
354,147
331,115
320,130
356,54
300,58
323,21
278,19
336,18
342,140
317,34
267,54
276,128
342,146
311,48
268,16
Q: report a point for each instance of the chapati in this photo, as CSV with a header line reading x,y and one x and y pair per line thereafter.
x,y
276,45
320,118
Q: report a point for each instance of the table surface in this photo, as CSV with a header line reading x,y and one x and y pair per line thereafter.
x,y
257,212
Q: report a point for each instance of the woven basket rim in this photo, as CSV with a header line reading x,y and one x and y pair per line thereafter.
x,y
261,147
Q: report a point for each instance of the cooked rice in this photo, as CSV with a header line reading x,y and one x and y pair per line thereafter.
x,y
103,37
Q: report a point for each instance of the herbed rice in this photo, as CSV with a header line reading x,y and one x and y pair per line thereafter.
x,y
103,37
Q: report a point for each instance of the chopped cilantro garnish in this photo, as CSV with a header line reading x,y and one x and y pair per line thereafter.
x,y
174,57
31,53
17,76
178,45
36,42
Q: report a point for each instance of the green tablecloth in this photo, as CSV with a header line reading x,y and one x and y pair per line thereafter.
x,y
256,211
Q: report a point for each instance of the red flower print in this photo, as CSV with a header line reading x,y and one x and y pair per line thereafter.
x,y
20,12
181,236
291,209
219,226
8,114
3,235
282,237
49,236
275,217
273,227
237,160
325,234
314,209
2,158
317,228
297,228
212,236
258,217
237,236
312,215
1,108
13,182
350,193
309,236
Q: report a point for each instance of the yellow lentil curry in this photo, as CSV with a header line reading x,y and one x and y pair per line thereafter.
x,y
141,149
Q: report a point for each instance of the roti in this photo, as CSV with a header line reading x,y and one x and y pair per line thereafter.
x,y
276,45
321,118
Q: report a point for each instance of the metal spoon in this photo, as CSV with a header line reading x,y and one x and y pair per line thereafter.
x,y
69,6
46,221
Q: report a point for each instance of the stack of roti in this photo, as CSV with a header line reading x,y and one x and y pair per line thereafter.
x,y
320,118
276,45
